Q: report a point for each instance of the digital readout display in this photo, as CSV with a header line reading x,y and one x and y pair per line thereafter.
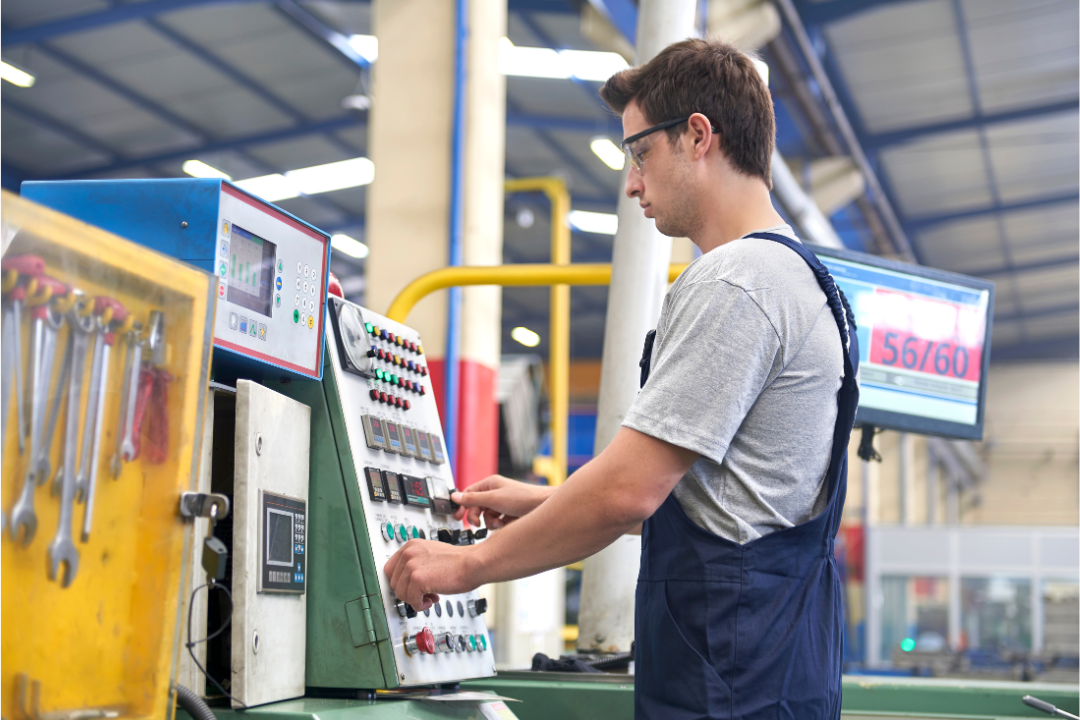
x,y
375,484
921,341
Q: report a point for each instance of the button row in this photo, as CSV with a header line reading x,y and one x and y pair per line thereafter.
x,y
377,332
382,397
426,642
387,356
398,381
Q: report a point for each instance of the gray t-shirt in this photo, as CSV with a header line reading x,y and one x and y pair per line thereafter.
x,y
745,369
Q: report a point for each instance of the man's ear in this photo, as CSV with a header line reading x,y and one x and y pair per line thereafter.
x,y
701,134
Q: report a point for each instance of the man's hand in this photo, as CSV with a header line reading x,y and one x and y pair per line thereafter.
x,y
499,500
422,569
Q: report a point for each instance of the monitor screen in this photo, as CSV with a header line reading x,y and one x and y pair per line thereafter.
x,y
923,343
251,271
279,537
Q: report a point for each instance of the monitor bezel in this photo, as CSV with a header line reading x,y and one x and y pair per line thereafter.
x,y
904,422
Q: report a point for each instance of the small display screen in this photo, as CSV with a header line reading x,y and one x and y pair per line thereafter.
x,y
438,488
392,435
375,484
414,486
279,537
251,271
436,447
392,486
425,446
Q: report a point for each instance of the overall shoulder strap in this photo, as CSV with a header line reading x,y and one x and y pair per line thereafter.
x,y
841,310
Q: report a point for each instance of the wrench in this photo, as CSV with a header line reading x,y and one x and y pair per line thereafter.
x,y
128,451
127,398
14,268
44,464
108,310
82,477
62,550
46,322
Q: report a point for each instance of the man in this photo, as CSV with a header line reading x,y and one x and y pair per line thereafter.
x,y
732,455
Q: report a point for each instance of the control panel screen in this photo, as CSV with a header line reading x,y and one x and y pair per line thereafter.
x,y
283,543
251,271
279,545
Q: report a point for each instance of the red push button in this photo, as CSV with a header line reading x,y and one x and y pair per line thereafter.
x,y
397,401
422,390
374,394
405,404
425,641
382,397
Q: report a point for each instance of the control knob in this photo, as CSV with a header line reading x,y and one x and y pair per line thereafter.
x,y
477,607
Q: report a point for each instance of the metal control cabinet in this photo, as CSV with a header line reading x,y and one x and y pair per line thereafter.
x,y
271,267
376,434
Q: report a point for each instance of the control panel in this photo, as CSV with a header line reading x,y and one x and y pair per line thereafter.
x,y
283,539
271,267
395,439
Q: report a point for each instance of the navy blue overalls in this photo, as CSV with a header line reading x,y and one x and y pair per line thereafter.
x,y
748,631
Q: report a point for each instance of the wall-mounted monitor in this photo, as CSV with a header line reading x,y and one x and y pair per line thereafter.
x,y
924,344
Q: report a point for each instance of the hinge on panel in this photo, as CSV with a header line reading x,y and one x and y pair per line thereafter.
x,y
361,623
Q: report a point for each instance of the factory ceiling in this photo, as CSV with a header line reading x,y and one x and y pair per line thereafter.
x,y
967,111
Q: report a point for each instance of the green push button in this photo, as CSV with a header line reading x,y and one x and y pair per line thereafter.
x,y
296,316
388,531
416,533
403,534
483,642
393,379
378,373
370,328
472,643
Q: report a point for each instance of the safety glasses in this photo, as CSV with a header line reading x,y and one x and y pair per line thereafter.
x,y
638,157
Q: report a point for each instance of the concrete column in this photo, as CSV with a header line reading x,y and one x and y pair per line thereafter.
x,y
481,307
410,138
638,282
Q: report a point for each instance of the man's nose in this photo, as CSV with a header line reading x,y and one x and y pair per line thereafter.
x,y
634,185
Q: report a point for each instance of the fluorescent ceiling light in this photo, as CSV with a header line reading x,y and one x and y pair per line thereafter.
x,y
594,222
15,76
562,64
349,246
311,180
366,45
270,188
199,169
333,176
525,336
609,152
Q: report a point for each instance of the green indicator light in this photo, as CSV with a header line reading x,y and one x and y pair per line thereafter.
x,y
907,645
393,379
296,316
369,327
378,373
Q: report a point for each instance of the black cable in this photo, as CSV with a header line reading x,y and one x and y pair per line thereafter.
x,y
192,643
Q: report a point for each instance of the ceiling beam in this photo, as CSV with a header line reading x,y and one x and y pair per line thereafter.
x,y
1063,309
102,18
1051,264
819,13
925,221
592,126
878,141
63,129
330,38
342,122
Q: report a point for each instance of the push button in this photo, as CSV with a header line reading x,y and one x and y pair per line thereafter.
x,y
402,533
405,404
397,401
382,397
374,394
382,334
388,532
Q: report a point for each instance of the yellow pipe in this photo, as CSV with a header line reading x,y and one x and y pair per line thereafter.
x,y
523,275
559,328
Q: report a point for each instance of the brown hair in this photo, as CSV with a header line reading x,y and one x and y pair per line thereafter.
x,y
711,78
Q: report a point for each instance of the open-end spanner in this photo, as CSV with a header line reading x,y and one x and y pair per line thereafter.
x,y
44,463
62,550
82,476
126,398
109,310
20,273
128,450
46,322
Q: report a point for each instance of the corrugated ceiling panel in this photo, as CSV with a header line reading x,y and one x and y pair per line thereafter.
x,y
21,14
31,147
938,173
1046,233
903,64
965,246
1024,53
1035,158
